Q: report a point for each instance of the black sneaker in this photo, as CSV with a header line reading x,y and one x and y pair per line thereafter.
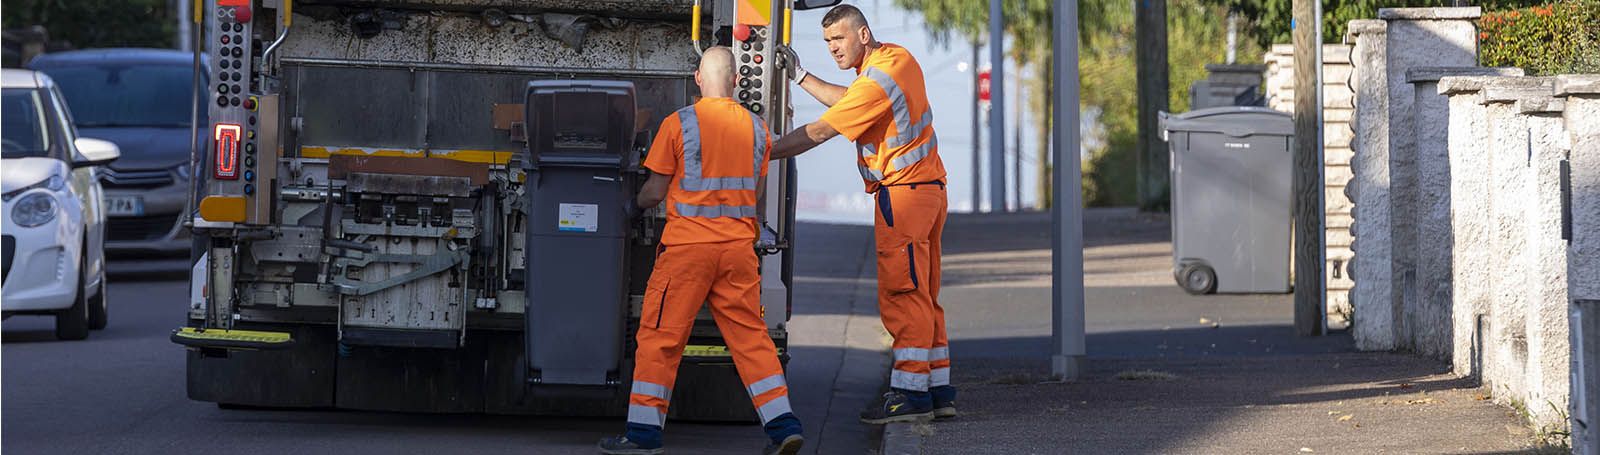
x,y
896,407
789,446
944,410
620,445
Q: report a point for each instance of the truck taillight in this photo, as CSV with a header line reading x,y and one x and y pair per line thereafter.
x,y
226,137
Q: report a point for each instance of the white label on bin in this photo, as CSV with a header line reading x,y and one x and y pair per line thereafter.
x,y
579,218
1236,145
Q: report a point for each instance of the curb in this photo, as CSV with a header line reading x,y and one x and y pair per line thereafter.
x,y
901,439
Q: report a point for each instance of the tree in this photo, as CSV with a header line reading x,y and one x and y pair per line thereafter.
x,y
96,23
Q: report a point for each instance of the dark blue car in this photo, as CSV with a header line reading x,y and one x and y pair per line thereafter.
x,y
139,99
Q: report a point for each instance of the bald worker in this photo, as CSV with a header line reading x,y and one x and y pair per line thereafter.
x,y
885,111
707,162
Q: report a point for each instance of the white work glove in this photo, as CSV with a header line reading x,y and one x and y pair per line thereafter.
x,y
791,64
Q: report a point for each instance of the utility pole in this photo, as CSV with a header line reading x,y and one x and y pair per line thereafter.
x,y
1150,55
1016,142
1307,180
977,135
997,107
183,31
1066,215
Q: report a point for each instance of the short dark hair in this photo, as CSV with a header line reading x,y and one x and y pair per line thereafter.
x,y
843,12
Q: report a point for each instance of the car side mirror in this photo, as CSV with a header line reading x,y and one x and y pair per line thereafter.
x,y
803,5
95,152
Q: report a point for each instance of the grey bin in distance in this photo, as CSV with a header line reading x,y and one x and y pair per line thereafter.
x,y
580,134
1231,198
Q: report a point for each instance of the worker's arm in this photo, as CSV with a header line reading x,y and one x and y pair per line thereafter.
x,y
802,139
654,191
826,93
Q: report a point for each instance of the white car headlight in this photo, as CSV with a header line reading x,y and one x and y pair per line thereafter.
x,y
34,209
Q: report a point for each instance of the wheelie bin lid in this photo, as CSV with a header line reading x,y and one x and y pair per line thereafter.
x,y
1236,121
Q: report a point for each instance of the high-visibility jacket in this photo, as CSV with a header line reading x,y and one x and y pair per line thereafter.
x,y
716,151
885,111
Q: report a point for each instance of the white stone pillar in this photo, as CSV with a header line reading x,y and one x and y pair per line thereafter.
x,y
1373,320
1582,122
1549,351
1417,37
1470,260
1506,358
1429,317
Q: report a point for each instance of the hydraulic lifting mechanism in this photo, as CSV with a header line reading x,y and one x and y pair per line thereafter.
x,y
418,205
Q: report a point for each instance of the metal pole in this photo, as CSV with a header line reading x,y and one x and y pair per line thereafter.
x,y
184,40
997,107
1016,143
977,135
1066,215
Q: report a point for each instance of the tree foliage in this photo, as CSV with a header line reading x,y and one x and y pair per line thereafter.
x,y
1271,20
95,23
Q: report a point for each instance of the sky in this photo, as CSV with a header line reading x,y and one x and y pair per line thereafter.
x,y
830,186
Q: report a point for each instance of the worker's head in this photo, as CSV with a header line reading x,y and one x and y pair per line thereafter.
x,y
848,36
715,75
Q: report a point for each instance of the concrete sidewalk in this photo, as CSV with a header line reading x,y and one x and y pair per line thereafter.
x,y
1169,372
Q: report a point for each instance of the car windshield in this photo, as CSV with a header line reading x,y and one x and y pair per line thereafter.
x,y
24,127
129,95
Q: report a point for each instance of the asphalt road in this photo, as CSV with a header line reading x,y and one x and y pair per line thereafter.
x,y
122,390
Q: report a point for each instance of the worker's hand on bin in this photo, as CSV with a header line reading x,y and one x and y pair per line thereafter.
x,y
791,64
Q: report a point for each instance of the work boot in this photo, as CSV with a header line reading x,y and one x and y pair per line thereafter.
x,y
788,446
944,402
620,445
899,406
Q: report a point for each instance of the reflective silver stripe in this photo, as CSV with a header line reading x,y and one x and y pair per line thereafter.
x,y
897,98
909,381
910,354
652,389
758,130
939,353
766,385
940,376
912,132
716,211
907,159
693,173
777,407
867,151
648,415
869,174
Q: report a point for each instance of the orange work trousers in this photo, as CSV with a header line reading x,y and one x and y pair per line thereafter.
x,y
685,277
910,223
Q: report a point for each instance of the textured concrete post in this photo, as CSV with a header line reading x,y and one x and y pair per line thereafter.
x,y
1417,37
1549,350
1371,295
1430,318
1470,261
1582,117
1511,194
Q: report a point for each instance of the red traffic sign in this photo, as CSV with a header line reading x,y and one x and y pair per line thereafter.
x,y
983,86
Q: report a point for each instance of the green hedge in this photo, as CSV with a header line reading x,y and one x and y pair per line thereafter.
x,y
1562,37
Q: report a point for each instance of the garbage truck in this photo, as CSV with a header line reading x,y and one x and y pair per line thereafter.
x,y
419,205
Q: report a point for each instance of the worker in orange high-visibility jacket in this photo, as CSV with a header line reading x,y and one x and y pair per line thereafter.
x,y
885,111
708,162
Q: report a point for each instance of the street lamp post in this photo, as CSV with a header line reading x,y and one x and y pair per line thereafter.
x,y
1066,214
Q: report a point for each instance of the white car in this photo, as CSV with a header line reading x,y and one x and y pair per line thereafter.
x,y
54,215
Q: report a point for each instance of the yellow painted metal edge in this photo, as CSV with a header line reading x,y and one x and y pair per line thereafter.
x,y
246,336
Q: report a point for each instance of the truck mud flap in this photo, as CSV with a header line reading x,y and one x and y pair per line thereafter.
x,y
296,376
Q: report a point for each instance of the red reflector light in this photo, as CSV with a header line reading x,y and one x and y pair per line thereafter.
x,y
226,138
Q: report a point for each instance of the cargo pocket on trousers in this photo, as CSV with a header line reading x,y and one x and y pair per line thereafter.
x,y
897,267
654,304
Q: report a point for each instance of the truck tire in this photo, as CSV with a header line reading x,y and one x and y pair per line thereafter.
x,y
73,323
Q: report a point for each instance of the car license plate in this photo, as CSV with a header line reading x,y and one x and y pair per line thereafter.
x,y
124,206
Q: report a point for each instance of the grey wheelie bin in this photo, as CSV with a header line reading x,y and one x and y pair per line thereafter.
x,y
1231,196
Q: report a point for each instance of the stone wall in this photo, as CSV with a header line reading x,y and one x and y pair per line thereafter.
x,y
1581,119
1338,109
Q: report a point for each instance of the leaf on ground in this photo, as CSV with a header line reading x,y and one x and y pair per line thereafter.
x,y
1420,401
1481,397
1333,412
1407,385
1205,321
1347,417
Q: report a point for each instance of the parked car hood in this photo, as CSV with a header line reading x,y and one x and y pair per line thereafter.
x,y
145,147
21,172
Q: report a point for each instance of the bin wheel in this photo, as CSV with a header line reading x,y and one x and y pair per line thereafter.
x,y
1198,279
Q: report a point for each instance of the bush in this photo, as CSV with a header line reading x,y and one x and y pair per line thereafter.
x,y
1558,38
